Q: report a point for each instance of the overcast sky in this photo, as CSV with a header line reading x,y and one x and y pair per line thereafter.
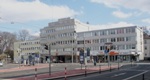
x,y
36,14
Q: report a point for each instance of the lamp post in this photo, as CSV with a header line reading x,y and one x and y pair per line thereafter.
x,y
49,58
19,55
72,46
85,53
118,57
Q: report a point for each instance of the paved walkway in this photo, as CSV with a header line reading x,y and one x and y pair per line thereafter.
x,y
68,73
21,68
77,71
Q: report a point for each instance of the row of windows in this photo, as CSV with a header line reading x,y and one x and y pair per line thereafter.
x,y
117,47
61,35
63,42
104,40
29,43
119,39
107,32
61,50
59,28
30,48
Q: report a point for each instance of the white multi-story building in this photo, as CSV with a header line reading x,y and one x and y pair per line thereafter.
x,y
61,35
23,49
127,42
67,36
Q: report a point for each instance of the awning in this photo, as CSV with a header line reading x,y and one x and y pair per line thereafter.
x,y
111,53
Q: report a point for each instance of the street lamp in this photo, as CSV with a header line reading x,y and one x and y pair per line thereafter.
x,y
19,55
73,42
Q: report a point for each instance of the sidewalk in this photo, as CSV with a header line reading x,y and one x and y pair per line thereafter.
x,y
21,68
61,74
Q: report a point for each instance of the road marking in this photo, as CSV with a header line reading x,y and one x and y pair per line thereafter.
x,y
118,74
135,75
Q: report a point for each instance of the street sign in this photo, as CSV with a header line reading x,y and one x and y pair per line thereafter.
x,y
81,56
106,51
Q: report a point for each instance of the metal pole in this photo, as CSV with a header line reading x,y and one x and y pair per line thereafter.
x,y
49,59
143,77
118,58
108,59
99,68
85,71
72,46
85,55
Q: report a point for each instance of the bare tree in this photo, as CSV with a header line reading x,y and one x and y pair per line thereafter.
x,y
7,40
23,35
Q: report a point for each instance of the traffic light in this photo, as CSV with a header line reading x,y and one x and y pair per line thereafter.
x,y
81,51
88,51
46,47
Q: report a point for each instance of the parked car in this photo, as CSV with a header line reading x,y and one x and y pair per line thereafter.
x,y
1,64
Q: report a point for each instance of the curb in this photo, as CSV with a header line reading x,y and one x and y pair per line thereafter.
x,y
79,74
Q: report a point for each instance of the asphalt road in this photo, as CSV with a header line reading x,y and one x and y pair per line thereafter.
x,y
139,72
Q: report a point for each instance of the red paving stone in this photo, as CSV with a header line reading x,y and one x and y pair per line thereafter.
x,y
21,68
62,73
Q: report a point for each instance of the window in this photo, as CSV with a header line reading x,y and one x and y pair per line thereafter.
x,y
103,40
101,47
111,32
81,42
95,41
133,46
120,47
113,39
130,30
145,47
120,39
95,34
103,32
120,31
87,41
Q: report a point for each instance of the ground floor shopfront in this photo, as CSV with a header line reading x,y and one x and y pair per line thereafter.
x,y
97,58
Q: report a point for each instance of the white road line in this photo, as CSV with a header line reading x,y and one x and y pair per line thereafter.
x,y
119,74
135,75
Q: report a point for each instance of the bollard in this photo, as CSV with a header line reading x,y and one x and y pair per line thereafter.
x,y
99,68
143,77
81,66
110,67
85,71
35,74
65,74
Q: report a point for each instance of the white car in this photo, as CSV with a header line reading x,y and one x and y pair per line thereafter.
x,y
1,64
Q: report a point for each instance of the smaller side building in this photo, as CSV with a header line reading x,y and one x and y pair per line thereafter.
x,y
146,46
24,49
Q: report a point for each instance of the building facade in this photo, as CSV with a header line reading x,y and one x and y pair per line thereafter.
x,y
146,46
66,37
125,42
61,36
24,49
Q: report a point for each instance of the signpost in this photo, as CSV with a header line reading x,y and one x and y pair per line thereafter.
x,y
81,57
107,49
88,54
